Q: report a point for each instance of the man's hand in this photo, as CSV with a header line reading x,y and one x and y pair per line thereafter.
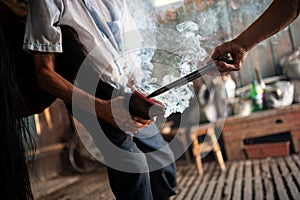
x,y
117,113
238,53
143,107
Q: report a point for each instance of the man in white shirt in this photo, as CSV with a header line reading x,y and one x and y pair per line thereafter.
x,y
100,25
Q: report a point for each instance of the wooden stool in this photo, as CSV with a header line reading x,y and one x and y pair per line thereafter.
x,y
207,146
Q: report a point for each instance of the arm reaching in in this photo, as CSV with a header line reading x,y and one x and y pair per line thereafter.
x,y
278,15
52,82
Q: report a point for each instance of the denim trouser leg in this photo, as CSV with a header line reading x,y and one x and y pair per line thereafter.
x,y
136,185
127,185
160,160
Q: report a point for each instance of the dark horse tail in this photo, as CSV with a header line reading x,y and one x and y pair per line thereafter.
x,y
15,182
14,178
20,96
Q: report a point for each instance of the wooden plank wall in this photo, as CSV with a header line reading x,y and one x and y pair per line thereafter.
x,y
267,57
264,56
54,132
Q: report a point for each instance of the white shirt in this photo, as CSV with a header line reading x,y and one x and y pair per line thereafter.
x,y
113,66
43,33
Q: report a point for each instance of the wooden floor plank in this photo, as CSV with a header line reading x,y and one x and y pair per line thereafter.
x,y
294,169
279,183
266,176
230,181
212,183
66,192
187,182
258,185
270,179
206,177
197,183
218,195
182,170
248,180
296,158
44,188
80,190
238,183
286,174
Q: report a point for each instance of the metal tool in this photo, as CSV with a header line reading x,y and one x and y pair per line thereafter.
x,y
192,76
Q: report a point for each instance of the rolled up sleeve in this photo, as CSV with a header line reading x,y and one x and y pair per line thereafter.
x,y
42,31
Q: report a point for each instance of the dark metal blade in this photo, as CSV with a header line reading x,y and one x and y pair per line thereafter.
x,y
192,76
183,80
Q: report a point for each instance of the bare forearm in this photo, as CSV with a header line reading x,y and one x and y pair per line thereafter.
x,y
279,14
56,85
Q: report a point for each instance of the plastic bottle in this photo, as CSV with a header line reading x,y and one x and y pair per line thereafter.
x,y
256,95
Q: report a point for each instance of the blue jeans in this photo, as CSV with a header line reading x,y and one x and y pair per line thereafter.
x,y
158,184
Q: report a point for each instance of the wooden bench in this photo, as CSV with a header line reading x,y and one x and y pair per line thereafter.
x,y
263,123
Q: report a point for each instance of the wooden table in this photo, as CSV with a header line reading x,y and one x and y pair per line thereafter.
x,y
263,123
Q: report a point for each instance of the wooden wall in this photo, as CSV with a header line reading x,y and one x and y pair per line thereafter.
x,y
266,57
232,20
53,132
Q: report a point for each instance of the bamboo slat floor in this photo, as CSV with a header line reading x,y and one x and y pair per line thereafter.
x,y
270,178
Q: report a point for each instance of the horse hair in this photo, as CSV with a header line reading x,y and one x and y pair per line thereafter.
x,y
14,130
